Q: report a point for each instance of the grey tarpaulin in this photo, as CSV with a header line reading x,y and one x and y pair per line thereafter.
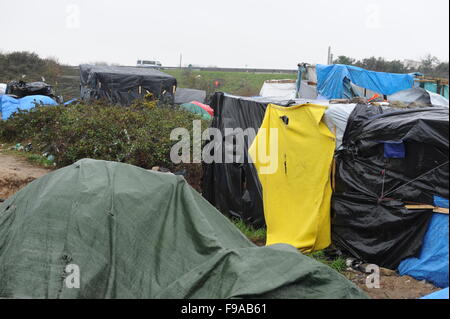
x,y
122,85
419,97
134,233
183,96
336,118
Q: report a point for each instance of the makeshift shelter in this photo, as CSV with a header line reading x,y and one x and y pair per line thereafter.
x,y
234,188
122,85
201,109
287,90
335,81
293,153
419,97
390,159
134,233
183,96
283,89
10,105
22,89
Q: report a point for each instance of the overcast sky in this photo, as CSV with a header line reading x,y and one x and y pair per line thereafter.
x,y
226,33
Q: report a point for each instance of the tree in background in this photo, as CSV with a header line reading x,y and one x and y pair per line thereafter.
x,y
342,59
430,65
29,67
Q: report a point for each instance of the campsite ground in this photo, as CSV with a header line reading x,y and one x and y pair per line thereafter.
x,y
16,171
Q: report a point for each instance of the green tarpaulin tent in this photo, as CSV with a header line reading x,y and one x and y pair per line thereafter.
x,y
134,233
194,108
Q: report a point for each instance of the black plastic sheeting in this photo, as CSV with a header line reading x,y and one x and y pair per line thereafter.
x,y
122,85
189,95
373,182
234,188
22,89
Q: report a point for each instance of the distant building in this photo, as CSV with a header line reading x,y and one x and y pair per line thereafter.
x,y
411,64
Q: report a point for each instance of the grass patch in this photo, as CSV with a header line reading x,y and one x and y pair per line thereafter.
x,y
31,157
258,236
337,263
238,83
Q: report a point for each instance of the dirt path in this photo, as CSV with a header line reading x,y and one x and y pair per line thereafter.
x,y
392,286
16,173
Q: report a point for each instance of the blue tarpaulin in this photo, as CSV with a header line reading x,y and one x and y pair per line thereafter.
x,y
9,105
441,294
432,264
332,81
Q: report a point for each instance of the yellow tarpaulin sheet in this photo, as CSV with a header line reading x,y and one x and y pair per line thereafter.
x,y
293,153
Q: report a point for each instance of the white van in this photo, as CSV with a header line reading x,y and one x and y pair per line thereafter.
x,y
148,64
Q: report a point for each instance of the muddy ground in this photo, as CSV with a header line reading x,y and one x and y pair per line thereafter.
x,y
392,286
15,173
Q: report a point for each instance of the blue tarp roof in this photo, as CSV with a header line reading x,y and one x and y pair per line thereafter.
x,y
9,105
331,80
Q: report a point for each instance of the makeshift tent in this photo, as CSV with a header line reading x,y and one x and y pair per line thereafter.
x,y
283,89
336,118
205,107
21,89
134,233
10,105
432,263
419,97
390,158
187,95
122,85
433,87
293,153
287,89
234,188
194,108
334,81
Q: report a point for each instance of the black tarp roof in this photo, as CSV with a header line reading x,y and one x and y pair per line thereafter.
x,y
390,158
121,85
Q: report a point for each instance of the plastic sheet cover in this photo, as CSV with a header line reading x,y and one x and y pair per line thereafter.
x,y
234,188
295,175
183,96
420,97
122,85
10,105
432,264
332,78
369,216
137,234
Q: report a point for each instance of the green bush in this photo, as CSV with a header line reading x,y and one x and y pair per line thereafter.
x,y
138,135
